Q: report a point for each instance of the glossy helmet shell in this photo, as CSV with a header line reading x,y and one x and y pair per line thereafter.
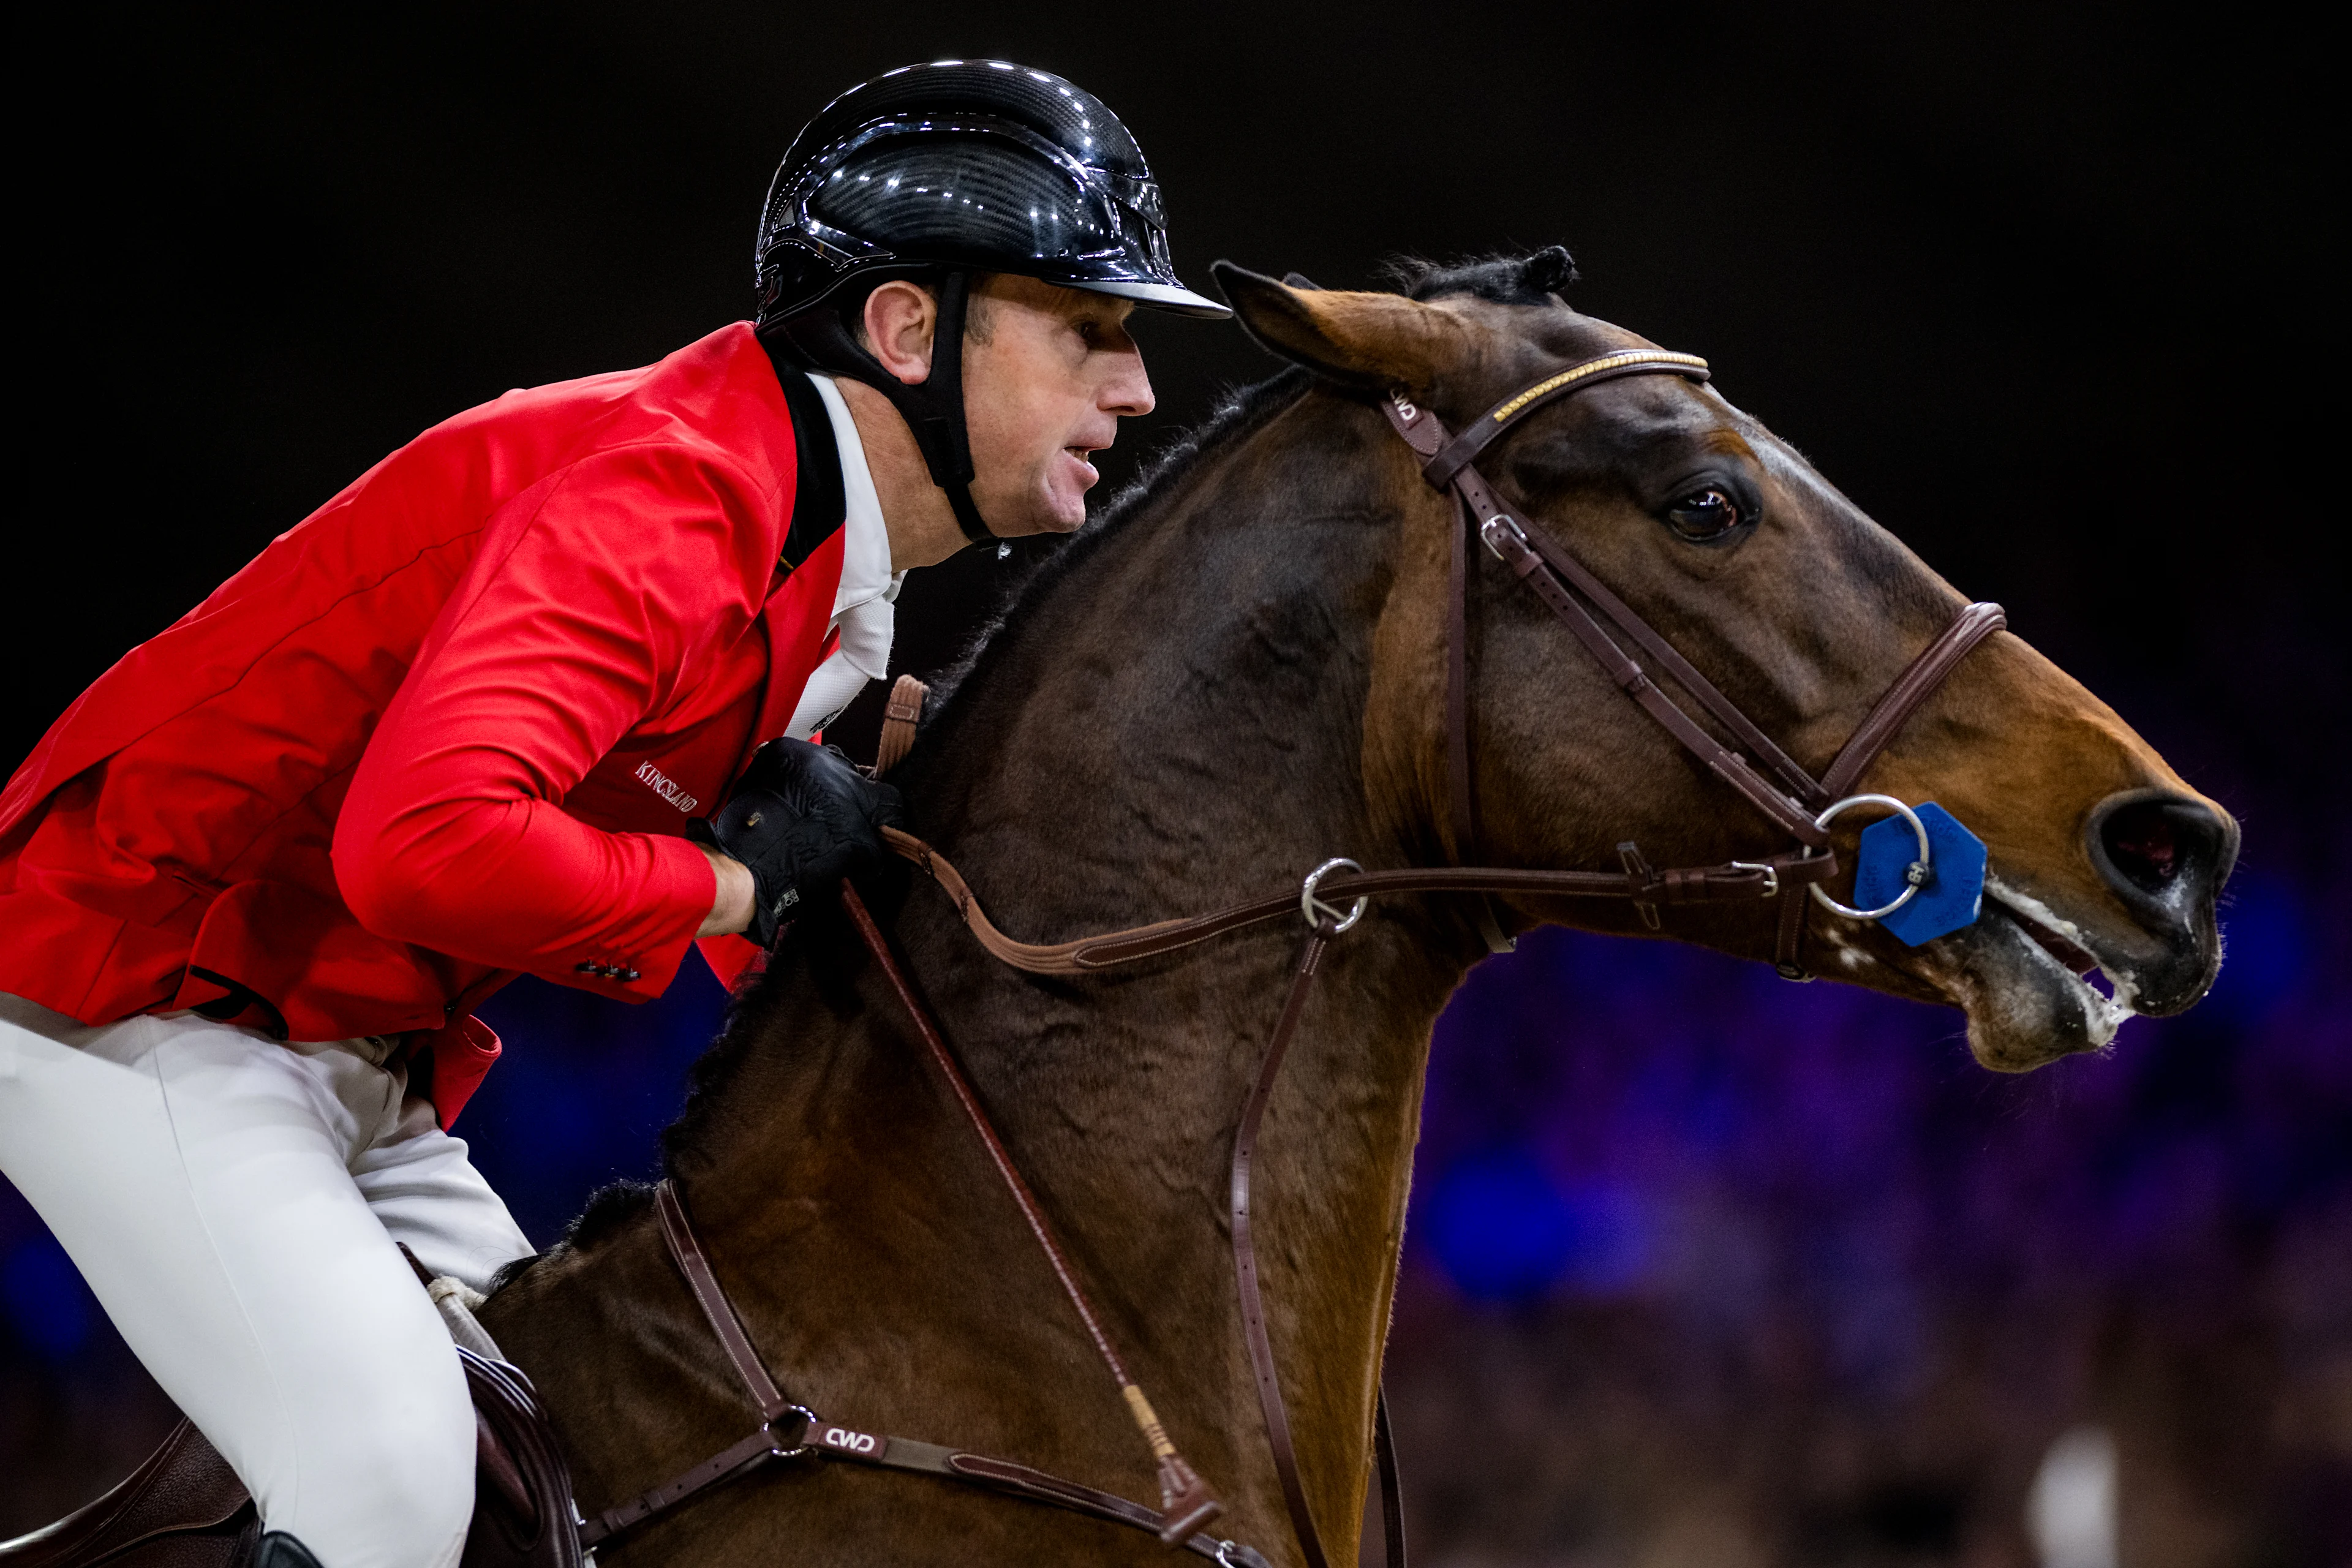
x,y
979,165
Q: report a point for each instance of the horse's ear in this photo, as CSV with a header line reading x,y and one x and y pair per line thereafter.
x,y
1378,341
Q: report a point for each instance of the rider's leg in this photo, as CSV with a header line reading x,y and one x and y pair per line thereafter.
x,y
417,1180
200,1177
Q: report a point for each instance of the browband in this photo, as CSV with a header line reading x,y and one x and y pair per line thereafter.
x,y
1441,468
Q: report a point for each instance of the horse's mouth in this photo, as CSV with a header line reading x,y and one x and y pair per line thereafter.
x,y
2020,973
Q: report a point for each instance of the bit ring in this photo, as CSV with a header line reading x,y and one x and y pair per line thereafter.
x,y
1914,878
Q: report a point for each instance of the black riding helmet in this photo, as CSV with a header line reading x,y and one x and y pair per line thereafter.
x,y
938,172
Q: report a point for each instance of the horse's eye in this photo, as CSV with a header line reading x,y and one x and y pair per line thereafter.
x,y
1708,514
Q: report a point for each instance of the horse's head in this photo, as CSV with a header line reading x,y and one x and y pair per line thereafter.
x,y
1802,610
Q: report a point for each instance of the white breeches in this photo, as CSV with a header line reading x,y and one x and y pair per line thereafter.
x,y
234,1205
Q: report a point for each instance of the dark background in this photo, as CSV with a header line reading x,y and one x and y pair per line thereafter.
x,y
1705,1268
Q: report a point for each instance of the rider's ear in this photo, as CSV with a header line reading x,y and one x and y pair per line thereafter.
x,y
1378,341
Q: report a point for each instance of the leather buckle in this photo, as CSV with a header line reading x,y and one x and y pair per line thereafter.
x,y
1498,528
1771,875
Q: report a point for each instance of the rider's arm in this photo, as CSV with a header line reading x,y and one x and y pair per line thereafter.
x,y
575,623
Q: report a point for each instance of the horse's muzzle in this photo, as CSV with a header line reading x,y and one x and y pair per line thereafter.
x,y
2166,856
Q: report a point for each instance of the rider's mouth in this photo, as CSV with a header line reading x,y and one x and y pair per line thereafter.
x,y
1080,454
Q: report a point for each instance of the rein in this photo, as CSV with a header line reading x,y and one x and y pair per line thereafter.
x,y
1799,806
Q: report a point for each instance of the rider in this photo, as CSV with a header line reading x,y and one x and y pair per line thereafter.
x,y
459,725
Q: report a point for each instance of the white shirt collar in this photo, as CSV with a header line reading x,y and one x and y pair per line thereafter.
x,y
863,609
866,572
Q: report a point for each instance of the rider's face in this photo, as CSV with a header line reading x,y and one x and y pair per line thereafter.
x,y
1047,379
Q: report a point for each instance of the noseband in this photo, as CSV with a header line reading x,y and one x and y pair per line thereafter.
x,y
1800,804
1332,900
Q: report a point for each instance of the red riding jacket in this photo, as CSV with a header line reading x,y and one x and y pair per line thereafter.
x,y
448,729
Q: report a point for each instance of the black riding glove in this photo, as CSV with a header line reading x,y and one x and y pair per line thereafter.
x,y
802,819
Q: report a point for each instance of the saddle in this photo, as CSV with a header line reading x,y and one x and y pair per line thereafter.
x,y
185,1508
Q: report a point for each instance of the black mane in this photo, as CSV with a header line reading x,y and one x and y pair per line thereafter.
x,y
1535,279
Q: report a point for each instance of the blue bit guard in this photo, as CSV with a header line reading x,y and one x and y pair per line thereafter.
x,y
1954,888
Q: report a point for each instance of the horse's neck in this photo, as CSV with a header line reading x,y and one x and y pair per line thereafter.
x,y
1178,724
1175,725
1180,713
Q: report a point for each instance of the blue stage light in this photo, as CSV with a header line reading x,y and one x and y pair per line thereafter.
x,y
1499,1228
1503,1230
46,1298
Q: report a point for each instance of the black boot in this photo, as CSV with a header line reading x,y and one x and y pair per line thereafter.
x,y
279,1550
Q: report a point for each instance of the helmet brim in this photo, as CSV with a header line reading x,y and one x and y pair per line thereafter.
x,y
1154,297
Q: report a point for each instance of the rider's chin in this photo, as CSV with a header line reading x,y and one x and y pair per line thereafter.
x,y
1061,503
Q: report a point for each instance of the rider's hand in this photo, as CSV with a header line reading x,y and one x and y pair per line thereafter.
x,y
801,820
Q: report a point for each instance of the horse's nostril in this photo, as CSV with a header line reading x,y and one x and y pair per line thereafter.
x,y
2151,842
2142,846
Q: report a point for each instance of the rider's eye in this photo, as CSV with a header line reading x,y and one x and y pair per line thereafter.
x,y
1708,514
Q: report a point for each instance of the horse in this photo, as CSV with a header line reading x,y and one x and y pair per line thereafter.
x,y
1237,674
1234,676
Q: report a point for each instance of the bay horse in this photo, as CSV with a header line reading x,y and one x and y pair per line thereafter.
x,y
1236,675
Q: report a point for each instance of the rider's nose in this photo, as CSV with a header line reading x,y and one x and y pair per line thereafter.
x,y
1133,398
1129,392
2164,855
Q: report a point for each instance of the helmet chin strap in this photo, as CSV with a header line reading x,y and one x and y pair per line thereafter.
x,y
932,407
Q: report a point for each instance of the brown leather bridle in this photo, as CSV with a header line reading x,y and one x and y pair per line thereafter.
x,y
1801,805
